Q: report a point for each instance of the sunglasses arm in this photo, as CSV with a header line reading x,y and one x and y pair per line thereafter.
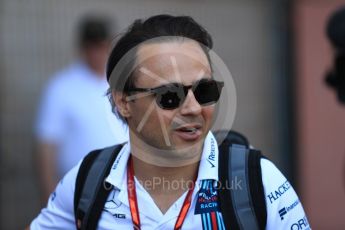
x,y
137,93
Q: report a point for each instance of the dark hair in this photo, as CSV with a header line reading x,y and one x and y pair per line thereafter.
x,y
93,29
141,31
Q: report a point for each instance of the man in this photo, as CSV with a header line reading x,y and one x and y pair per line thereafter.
x,y
336,34
163,86
75,116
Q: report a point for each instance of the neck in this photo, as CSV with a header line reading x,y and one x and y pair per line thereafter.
x,y
99,72
164,184
96,69
165,174
157,179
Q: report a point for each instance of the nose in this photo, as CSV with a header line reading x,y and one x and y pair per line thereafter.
x,y
190,106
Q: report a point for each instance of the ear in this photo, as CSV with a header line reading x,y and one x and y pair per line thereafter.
x,y
122,105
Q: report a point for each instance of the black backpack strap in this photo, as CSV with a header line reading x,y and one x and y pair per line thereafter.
x,y
256,187
91,190
243,207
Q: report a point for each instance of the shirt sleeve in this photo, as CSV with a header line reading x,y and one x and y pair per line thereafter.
x,y
284,209
59,213
51,113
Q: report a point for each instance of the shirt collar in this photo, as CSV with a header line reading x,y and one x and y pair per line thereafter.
x,y
117,175
208,167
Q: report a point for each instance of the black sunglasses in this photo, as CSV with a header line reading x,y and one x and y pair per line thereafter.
x,y
171,96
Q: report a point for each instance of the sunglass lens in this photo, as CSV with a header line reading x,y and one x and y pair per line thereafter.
x,y
207,93
169,100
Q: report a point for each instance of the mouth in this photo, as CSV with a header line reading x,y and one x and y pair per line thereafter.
x,y
190,132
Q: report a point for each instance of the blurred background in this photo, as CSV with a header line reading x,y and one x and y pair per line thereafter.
x,y
276,50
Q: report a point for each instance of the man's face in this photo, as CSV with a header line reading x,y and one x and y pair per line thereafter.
x,y
96,55
170,129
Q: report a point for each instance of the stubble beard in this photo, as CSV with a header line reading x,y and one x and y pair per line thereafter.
x,y
152,149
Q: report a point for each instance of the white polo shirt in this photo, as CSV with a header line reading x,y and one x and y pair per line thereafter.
x,y
76,116
284,210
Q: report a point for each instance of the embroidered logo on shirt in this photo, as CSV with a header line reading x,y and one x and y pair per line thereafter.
x,y
212,156
301,224
285,210
207,200
212,165
207,207
112,203
275,195
117,161
282,212
118,215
